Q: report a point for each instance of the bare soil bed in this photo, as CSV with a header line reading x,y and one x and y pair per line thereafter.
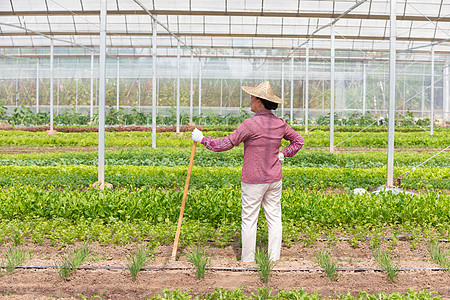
x,y
118,284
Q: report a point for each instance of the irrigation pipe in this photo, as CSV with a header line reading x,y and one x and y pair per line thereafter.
x,y
403,236
229,269
400,237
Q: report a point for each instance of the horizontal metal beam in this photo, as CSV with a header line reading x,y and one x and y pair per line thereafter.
x,y
235,35
314,15
171,46
362,50
298,58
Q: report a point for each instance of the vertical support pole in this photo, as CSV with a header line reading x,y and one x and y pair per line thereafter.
x,y
37,86
199,86
58,83
332,90
178,87
76,94
404,95
240,89
118,84
17,92
446,97
422,103
101,102
191,91
282,88
221,94
17,84
432,93
291,115
323,96
364,88
303,93
76,86
157,94
97,91
51,85
57,95
392,84
175,93
154,85
307,90
229,95
382,84
91,111
139,92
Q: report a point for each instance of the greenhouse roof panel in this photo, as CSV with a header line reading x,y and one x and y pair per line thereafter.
x,y
63,5
227,23
88,4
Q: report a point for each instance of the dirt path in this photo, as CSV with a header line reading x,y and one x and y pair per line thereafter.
x,y
117,284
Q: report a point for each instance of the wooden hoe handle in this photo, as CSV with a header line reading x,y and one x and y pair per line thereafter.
x,y
183,202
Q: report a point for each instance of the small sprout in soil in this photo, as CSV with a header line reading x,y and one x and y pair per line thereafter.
x,y
68,264
138,260
386,260
14,256
198,257
265,265
439,255
328,263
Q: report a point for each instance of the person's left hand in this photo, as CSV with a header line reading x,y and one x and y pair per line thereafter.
x,y
281,157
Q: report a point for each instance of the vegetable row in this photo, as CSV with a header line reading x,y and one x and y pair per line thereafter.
x,y
126,215
265,293
227,128
168,139
216,206
217,177
180,157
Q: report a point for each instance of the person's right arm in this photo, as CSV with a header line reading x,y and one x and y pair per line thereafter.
x,y
218,145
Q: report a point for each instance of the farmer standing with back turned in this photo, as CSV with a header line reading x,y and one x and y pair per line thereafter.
x,y
261,177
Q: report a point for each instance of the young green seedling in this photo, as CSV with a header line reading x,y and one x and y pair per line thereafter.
x,y
265,265
198,257
328,263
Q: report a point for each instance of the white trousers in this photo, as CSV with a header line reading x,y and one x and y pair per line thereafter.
x,y
269,194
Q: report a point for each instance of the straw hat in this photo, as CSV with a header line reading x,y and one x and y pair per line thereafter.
x,y
264,91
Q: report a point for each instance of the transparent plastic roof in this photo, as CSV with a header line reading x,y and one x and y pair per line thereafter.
x,y
227,24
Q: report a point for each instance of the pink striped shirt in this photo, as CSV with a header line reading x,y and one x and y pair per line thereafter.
x,y
262,136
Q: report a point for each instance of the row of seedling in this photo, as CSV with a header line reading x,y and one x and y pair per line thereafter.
x,y
385,259
69,263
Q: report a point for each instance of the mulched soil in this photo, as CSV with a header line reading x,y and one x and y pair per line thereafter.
x,y
118,284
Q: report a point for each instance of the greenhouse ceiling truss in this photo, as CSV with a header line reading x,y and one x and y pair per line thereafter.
x,y
262,25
